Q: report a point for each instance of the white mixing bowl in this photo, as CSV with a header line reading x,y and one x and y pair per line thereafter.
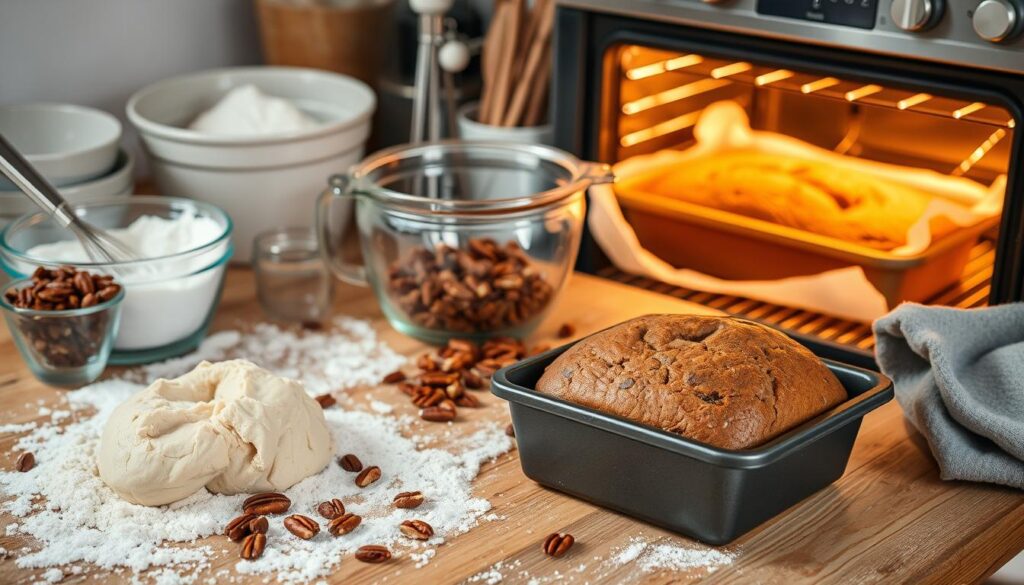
x,y
261,182
118,182
67,144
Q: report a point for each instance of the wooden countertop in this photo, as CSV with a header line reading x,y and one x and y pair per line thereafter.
x,y
888,519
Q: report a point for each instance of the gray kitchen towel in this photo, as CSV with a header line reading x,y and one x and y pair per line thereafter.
x,y
959,377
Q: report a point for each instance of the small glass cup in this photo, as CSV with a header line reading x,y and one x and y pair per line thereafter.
x,y
63,348
292,282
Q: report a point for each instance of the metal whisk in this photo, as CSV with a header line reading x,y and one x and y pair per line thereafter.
x,y
99,245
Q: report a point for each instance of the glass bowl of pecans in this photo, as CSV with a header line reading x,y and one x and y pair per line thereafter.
x,y
459,239
64,322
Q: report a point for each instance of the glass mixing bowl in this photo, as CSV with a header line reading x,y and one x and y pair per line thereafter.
x,y
460,239
169,300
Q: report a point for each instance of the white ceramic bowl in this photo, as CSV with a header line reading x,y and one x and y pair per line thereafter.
x,y
67,144
261,182
119,182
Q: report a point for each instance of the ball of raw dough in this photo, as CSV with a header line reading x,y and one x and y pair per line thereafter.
x,y
230,426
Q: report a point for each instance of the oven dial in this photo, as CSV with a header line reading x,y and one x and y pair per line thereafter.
x,y
996,20
915,15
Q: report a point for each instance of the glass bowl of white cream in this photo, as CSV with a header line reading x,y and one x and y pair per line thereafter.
x,y
171,292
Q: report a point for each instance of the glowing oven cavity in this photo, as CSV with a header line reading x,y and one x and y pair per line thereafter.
x,y
652,99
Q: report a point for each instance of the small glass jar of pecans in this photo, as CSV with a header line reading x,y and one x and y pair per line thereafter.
x,y
64,322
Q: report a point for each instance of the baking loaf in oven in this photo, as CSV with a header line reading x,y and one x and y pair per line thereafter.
x,y
812,196
727,382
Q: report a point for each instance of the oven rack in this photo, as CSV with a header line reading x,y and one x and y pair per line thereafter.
x,y
713,74
972,290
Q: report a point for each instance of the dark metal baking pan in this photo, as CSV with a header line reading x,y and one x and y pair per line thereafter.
x,y
732,246
695,489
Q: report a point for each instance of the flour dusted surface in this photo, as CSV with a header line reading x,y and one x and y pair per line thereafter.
x,y
75,518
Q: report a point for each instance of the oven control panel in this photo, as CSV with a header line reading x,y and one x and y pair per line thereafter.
x,y
857,13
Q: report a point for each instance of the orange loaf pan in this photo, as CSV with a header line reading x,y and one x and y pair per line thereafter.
x,y
736,247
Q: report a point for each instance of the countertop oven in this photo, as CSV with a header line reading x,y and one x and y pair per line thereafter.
x,y
929,84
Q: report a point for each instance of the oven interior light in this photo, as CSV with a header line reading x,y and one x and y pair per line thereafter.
x,y
913,100
980,152
862,92
818,85
672,95
681,62
667,127
772,77
731,69
968,110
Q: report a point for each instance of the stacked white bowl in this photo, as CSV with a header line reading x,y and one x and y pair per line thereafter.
x,y
74,147
265,181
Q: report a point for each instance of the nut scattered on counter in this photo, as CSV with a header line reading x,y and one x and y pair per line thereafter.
x,y
253,545
344,524
510,430
416,529
484,287
566,330
350,463
331,509
556,544
373,553
71,342
439,387
302,526
240,527
326,400
266,503
26,461
259,525
408,500
368,476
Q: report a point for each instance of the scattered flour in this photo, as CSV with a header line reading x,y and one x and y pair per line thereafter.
x,y
75,518
650,557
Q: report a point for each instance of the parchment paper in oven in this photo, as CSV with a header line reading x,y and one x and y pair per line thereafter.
x,y
845,292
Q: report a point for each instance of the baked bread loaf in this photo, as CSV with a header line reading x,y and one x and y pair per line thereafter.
x,y
807,195
723,381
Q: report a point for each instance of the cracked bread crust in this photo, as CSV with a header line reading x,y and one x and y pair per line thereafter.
x,y
723,381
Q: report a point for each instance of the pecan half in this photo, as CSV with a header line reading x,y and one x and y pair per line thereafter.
x,y
556,544
510,430
368,476
468,401
416,529
302,526
259,524
266,503
25,462
373,553
331,508
394,377
408,499
344,524
438,414
253,545
240,527
350,463
326,400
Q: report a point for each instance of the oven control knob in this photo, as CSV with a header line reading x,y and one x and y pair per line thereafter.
x,y
996,20
915,15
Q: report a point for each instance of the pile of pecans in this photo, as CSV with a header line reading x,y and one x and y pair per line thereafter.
x,y
439,388
250,528
64,342
484,287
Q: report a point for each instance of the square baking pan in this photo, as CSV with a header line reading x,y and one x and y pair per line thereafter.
x,y
736,247
695,489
